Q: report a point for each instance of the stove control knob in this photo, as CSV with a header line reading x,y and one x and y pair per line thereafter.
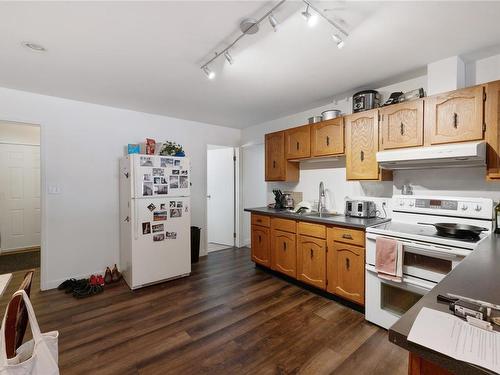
x,y
401,202
478,208
411,204
464,207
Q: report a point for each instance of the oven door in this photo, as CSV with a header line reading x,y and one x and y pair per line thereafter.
x,y
386,301
420,259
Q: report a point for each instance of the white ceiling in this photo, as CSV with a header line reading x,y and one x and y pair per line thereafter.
x,y
146,56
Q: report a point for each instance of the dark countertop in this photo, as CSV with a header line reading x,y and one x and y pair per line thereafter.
x,y
340,220
478,277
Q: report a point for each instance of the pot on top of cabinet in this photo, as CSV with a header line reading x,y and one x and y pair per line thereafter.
x,y
365,100
330,114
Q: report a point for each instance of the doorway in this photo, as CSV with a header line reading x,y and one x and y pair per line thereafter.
x,y
20,209
221,197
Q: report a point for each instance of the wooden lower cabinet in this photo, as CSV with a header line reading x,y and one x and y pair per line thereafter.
x,y
311,261
345,266
419,366
328,258
284,253
261,249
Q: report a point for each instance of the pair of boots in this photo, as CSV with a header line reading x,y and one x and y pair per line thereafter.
x,y
112,276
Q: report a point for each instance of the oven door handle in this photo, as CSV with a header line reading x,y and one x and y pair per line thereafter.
x,y
434,250
419,284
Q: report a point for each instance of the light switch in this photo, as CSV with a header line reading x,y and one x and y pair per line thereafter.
x,y
54,189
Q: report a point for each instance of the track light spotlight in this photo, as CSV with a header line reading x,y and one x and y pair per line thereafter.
x,y
338,40
209,73
228,57
274,22
310,18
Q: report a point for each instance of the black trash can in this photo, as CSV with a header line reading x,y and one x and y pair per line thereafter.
x,y
195,244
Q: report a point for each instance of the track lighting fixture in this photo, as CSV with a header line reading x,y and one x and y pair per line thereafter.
x,y
274,22
250,26
209,73
228,57
311,19
338,40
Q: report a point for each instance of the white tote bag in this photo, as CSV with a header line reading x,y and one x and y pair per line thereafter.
x,y
38,356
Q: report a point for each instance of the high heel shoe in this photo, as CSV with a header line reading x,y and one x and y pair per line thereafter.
x,y
115,274
108,278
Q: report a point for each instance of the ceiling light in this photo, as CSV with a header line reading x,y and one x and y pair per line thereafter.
x,y
209,73
311,19
274,22
338,40
34,46
228,57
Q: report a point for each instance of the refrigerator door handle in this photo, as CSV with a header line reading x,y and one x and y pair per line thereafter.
x,y
136,221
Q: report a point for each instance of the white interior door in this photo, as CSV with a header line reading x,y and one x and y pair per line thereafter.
x,y
220,195
19,196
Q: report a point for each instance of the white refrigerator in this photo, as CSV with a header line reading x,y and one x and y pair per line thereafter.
x,y
155,235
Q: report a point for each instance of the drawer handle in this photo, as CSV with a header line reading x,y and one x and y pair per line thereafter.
x,y
362,155
327,140
312,253
259,221
347,236
455,120
347,263
298,145
284,246
402,129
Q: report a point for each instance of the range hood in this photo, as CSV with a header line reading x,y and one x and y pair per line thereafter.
x,y
470,154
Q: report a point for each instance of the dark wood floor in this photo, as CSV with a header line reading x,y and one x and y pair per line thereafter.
x,y
227,318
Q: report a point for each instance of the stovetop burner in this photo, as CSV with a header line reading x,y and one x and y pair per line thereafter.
x,y
460,238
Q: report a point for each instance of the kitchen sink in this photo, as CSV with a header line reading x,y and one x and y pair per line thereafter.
x,y
321,215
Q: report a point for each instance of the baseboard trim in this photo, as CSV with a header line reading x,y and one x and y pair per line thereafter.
x,y
52,284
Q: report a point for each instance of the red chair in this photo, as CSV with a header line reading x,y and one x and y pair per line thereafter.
x,y
17,318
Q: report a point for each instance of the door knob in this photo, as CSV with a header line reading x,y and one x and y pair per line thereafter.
x,y
209,196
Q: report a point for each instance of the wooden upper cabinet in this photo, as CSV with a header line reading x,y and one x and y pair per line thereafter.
x,y
311,261
455,116
402,125
346,271
277,167
362,145
261,249
492,135
284,253
298,142
327,137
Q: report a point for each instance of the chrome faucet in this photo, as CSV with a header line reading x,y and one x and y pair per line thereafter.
x,y
321,204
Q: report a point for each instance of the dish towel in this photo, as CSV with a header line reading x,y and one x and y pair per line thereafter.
x,y
389,259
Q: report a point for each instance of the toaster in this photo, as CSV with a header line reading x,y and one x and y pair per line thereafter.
x,y
366,209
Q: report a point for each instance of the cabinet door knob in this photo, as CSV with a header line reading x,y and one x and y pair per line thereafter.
x,y
347,263
312,253
284,246
362,155
327,140
298,145
455,120
402,129
260,239
274,163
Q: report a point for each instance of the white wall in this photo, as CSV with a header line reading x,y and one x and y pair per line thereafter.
x,y
465,182
18,133
80,147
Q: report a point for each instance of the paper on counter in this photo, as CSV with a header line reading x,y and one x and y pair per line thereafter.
x,y
454,337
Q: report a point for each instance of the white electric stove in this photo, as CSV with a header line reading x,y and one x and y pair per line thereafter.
x,y
428,257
